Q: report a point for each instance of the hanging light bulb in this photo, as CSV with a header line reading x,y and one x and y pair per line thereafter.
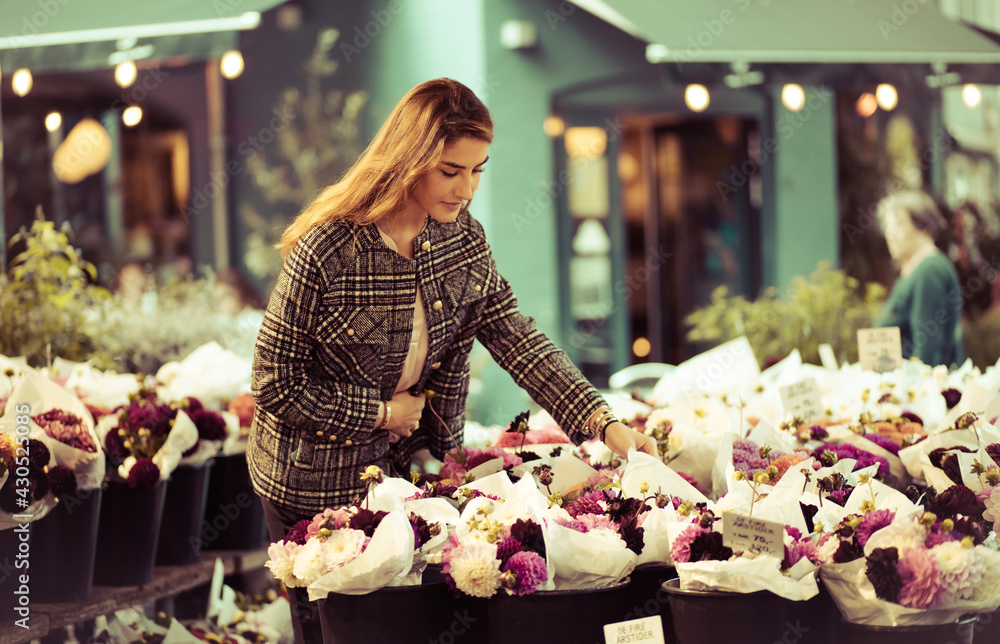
x,y
885,95
126,73
793,97
696,97
866,105
971,95
132,115
231,64
21,82
53,121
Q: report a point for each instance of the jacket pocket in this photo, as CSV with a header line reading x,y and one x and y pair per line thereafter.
x,y
353,342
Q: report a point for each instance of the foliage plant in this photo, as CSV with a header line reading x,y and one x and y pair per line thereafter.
x,y
48,301
828,307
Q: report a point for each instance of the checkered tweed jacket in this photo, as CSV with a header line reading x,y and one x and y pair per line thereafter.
x,y
334,340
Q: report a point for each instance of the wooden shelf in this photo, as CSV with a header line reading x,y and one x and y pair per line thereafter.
x,y
103,600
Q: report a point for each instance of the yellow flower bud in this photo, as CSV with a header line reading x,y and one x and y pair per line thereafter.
x,y
760,477
947,525
864,478
644,487
967,542
928,519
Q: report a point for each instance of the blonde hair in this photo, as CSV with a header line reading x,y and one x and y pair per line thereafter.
x,y
408,145
920,207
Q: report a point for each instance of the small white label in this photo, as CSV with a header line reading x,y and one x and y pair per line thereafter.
x,y
648,630
802,400
753,536
828,357
880,350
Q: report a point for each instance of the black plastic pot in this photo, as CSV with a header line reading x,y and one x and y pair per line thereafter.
x,y
646,597
959,632
987,628
390,615
549,616
128,534
11,588
234,517
183,515
701,616
63,548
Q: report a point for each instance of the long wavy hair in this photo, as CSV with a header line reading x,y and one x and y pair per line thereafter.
x,y
408,145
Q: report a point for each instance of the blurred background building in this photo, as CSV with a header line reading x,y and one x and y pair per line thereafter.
x,y
646,153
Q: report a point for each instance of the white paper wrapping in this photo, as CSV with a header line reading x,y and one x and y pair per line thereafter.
x,y
388,558
643,468
583,560
99,388
209,373
855,596
745,575
42,395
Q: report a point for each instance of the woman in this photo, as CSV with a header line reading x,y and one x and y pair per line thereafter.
x,y
387,281
926,301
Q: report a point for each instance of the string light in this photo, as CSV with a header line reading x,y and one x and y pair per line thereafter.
x,y
231,64
125,73
793,97
866,105
885,95
53,121
21,82
696,97
132,115
971,95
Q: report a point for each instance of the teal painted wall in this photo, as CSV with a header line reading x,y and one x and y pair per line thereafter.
x,y
804,229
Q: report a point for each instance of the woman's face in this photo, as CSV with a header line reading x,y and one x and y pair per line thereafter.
x,y
900,234
444,190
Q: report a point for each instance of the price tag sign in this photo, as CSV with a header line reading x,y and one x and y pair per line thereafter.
x,y
802,400
880,350
646,630
754,536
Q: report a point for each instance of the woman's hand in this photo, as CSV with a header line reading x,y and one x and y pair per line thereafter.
x,y
406,412
620,437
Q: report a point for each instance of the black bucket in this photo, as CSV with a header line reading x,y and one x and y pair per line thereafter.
x,y
549,616
716,616
63,548
128,534
391,615
646,597
10,584
987,628
234,517
183,515
959,632
819,617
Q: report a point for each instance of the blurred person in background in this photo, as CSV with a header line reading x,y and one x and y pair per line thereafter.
x,y
926,301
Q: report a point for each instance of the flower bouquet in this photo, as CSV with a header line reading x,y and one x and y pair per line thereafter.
x,y
67,468
918,569
353,550
144,442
